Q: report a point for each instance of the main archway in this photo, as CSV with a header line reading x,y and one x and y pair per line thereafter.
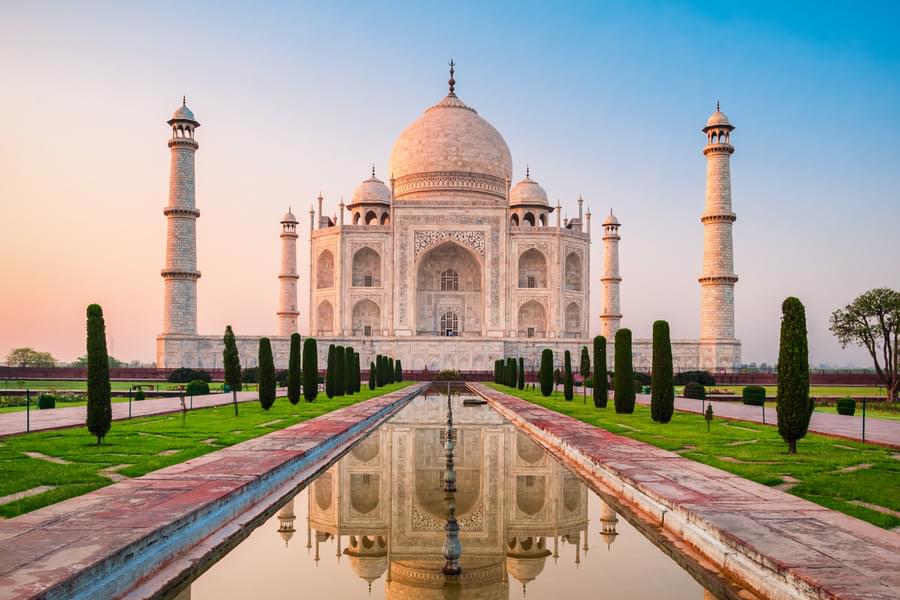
x,y
449,292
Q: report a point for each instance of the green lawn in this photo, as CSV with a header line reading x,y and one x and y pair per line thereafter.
x,y
760,454
143,444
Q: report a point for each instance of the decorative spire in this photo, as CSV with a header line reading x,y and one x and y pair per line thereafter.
x,y
452,81
373,170
184,100
717,106
527,172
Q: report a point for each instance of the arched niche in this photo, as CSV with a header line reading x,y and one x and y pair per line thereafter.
x,y
325,270
532,321
573,272
573,319
532,269
325,317
365,492
366,268
366,314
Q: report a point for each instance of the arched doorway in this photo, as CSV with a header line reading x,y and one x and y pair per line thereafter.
x,y
449,292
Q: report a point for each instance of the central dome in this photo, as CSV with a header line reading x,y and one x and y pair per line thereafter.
x,y
450,147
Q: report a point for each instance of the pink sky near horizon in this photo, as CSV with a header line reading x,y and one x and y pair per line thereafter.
x,y
85,163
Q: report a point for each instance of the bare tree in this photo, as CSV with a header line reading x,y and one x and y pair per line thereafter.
x,y
872,321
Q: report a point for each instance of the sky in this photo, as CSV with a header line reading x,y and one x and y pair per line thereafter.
x,y
605,100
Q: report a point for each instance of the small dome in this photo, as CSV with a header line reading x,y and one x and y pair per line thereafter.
x,y
528,192
289,217
183,113
718,119
370,191
611,219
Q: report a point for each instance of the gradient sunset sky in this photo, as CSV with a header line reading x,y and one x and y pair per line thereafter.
x,y
603,100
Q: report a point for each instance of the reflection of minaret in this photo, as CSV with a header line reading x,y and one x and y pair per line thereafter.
x,y
525,558
608,522
286,522
368,557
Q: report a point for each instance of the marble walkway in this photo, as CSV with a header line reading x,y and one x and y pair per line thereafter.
x,y
778,544
878,431
12,423
99,544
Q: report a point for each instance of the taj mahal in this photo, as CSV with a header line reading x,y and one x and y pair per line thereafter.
x,y
447,263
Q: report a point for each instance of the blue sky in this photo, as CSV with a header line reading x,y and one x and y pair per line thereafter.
x,y
603,100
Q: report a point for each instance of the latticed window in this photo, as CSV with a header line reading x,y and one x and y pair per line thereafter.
x,y
367,330
367,281
449,324
531,332
532,282
449,281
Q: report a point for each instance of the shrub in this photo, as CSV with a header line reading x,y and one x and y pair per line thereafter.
x,y
266,374
662,392
568,383
702,377
546,372
695,391
197,387
250,375
754,395
281,377
186,375
99,403
845,406
310,369
642,379
138,394
449,374
231,361
793,403
46,401
294,370
624,374
599,373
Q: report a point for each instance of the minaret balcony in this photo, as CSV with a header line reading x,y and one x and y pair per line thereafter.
x,y
718,149
178,211
718,218
718,279
178,274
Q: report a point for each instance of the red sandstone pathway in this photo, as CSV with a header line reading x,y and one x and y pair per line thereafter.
x,y
878,431
124,525
13,423
787,540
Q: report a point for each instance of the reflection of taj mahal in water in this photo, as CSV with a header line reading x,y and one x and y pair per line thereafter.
x,y
382,505
448,264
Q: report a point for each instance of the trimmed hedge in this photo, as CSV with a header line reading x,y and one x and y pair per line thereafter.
x,y
197,387
695,391
624,376
662,393
185,375
46,401
139,394
846,406
702,377
310,369
546,372
754,395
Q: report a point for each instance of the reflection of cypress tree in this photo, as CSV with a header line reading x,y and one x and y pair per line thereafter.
x,y
568,381
372,382
231,360
340,371
792,401
546,372
521,381
99,402
600,389
266,374
623,392
662,392
310,369
294,374
329,373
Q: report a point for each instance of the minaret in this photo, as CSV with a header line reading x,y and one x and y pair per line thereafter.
x,y
180,273
286,522
718,278
611,312
287,306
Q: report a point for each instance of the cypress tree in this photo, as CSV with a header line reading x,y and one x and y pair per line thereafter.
x,y
569,381
662,392
357,383
99,402
793,403
372,382
521,381
340,371
349,374
266,374
546,373
390,370
294,374
398,372
623,392
379,370
231,360
496,371
329,372
599,375
310,369
513,373
584,369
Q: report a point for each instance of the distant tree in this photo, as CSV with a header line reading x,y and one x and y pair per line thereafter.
x,y
623,384
310,369
398,372
329,372
29,357
793,403
81,361
568,379
231,360
521,371
340,371
600,389
266,374
872,321
372,381
546,372
99,402
294,379
662,390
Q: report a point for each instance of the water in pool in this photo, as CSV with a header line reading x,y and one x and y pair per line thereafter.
x,y
380,522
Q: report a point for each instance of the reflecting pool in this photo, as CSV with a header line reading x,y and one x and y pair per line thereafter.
x,y
381,522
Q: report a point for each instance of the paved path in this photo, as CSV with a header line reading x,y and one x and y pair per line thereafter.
x,y
878,431
12,423
99,544
779,544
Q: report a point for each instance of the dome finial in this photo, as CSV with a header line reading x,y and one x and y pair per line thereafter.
x,y
717,106
527,172
373,170
184,100
452,81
